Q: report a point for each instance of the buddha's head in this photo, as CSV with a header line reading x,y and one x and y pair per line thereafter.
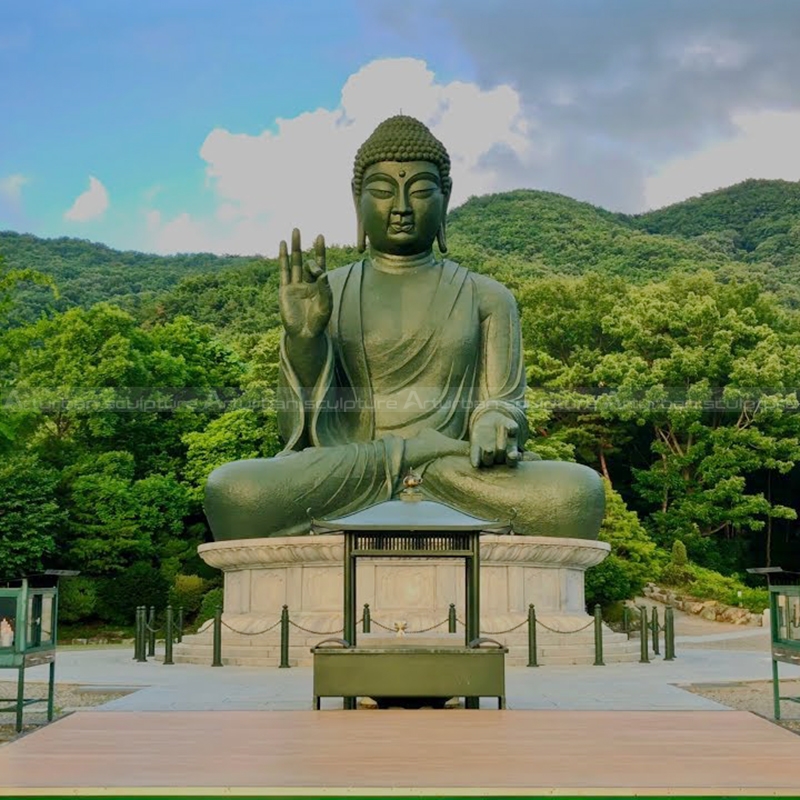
x,y
401,187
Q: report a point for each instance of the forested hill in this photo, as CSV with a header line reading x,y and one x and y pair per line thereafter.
x,y
553,233
515,236
760,218
86,272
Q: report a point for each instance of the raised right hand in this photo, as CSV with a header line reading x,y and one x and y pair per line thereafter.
x,y
305,297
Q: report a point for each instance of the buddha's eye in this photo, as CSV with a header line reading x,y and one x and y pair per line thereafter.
x,y
423,189
380,192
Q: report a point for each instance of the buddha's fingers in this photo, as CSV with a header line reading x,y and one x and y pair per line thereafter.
x,y
475,455
512,454
297,257
319,252
501,441
283,265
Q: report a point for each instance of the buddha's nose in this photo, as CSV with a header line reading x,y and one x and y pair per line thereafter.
x,y
401,205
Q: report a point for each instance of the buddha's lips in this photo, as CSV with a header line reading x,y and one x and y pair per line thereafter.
x,y
404,228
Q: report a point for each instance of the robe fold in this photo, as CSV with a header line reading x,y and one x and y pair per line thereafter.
x,y
465,360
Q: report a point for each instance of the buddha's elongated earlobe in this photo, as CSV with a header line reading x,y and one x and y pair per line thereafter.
x,y
441,237
361,234
361,240
441,234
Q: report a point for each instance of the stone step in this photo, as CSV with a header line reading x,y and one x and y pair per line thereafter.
x,y
240,661
307,640
567,661
266,654
268,640
518,656
573,649
511,660
273,647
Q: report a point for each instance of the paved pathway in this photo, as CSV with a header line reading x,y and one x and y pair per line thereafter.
x,y
185,687
708,652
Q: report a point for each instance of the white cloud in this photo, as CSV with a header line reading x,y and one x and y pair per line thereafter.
x,y
150,194
11,187
299,175
90,204
765,146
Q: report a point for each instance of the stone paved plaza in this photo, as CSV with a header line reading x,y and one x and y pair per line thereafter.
x,y
729,656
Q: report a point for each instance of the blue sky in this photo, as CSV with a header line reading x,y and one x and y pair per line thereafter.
x,y
186,125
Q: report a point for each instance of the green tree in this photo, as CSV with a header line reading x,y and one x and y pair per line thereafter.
x,y
710,369
238,434
29,515
103,535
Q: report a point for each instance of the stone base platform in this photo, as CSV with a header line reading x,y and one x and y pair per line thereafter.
x,y
305,574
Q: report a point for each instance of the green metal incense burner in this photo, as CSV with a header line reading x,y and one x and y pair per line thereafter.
x,y
409,674
28,633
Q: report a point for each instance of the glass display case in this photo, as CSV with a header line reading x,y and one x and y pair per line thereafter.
x,y
28,633
784,618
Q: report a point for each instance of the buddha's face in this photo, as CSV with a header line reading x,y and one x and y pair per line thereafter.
x,y
402,206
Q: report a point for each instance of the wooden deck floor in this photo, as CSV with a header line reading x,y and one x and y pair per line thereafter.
x,y
405,752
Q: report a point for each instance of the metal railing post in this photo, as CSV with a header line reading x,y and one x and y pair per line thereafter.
x,y
142,612
656,629
598,636
533,660
151,632
179,636
136,633
284,638
366,626
168,633
669,634
217,655
644,647
451,618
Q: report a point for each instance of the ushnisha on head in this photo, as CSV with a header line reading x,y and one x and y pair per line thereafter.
x,y
401,186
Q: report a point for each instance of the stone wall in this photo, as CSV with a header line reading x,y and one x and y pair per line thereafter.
x,y
707,609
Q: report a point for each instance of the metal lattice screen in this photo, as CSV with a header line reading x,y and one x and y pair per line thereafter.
x,y
406,542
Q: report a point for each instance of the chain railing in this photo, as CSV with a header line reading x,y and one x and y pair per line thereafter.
x,y
635,620
145,631
145,638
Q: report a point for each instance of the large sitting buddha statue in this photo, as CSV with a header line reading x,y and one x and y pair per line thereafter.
x,y
401,361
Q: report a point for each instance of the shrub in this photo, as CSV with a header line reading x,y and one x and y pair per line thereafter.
x,y
672,575
679,555
170,568
608,582
77,599
613,615
710,585
677,572
707,584
141,584
187,592
208,606
633,559
755,600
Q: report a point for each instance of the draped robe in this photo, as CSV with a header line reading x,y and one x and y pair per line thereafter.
x,y
346,435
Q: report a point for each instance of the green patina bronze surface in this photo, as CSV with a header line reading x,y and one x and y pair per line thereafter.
x,y
399,361
408,672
